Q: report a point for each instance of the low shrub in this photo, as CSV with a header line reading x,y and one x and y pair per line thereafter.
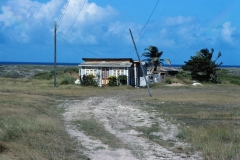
x,y
88,80
67,80
113,81
71,70
183,75
168,81
122,79
44,75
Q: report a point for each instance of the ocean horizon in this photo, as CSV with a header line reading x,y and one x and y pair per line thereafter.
x,y
76,64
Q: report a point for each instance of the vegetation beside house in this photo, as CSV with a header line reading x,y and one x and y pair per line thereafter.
x,y
202,67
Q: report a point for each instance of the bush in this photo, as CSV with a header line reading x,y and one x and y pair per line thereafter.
x,y
13,74
71,70
67,80
122,79
44,75
88,80
183,75
112,81
168,81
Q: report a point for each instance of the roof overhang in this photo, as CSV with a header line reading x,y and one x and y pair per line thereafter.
x,y
105,65
107,59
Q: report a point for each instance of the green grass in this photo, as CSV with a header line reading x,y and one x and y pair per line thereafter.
x,y
31,125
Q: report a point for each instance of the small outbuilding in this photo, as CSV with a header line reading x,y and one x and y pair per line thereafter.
x,y
161,74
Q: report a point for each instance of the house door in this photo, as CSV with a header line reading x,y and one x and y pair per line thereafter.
x,y
105,75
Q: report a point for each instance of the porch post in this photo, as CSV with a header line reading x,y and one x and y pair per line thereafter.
x,y
135,75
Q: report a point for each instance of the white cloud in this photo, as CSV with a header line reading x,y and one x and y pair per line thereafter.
x,y
227,32
119,31
179,20
90,16
29,17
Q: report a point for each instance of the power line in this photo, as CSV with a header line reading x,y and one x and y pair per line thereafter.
x,y
64,11
148,20
76,17
70,46
64,35
77,44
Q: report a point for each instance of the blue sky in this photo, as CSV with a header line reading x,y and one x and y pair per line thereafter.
x,y
100,29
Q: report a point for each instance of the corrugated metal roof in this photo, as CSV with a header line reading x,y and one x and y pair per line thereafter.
x,y
168,69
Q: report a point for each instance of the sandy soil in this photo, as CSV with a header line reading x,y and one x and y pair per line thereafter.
x,y
119,118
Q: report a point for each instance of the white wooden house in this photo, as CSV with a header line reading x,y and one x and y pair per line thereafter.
x,y
102,68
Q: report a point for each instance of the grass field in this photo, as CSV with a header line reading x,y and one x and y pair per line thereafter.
x,y
31,124
209,117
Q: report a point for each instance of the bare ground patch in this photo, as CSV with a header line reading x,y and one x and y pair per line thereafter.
x,y
121,121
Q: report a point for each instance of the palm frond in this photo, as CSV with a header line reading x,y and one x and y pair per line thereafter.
x,y
212,50
152,49
166,60
146,54
147,60
219,55
159,54
199,54
155,59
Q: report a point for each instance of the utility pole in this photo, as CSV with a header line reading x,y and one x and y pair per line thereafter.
x,y
140,63
55,50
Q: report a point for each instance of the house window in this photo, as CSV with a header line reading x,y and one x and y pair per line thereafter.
x,y
118,71
91,70
114,72
121,71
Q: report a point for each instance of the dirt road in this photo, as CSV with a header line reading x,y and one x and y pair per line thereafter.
x,y
120,117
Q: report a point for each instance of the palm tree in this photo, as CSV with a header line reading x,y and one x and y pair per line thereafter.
x,y
153,58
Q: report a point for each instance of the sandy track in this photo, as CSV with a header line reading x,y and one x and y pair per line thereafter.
x,y
119,118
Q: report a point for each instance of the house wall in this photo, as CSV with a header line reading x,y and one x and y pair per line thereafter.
x,y
133,73
123,71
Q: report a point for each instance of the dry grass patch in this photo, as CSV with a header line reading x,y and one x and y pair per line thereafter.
x,y
30,126
209,117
